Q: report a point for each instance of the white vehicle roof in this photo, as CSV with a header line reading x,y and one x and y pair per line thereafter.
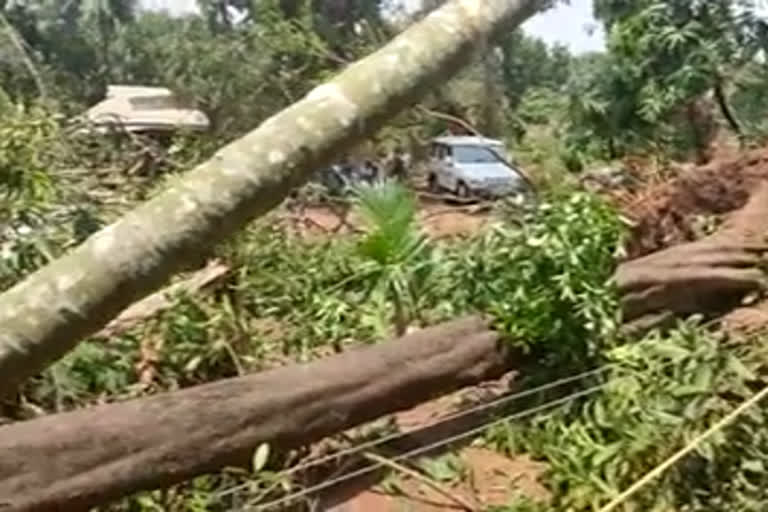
x,y
144,108
456,140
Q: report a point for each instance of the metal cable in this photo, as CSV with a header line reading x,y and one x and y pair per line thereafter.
x,y
372,444
469,433
352,450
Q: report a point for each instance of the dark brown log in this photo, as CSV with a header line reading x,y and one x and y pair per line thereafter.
x,y
711,275
76,460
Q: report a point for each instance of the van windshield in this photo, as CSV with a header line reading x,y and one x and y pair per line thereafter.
x,y
474,155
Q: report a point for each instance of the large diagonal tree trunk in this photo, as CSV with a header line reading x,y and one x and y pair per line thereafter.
x,y
77,460
46,315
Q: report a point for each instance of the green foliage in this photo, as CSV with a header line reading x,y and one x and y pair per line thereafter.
x,y
668,53
399,257
30,146
349,291
89,374
542,271
541,105
239,73
749,98
602,113
660,393
527,62
28,143
547,281
650,92
446,468
390,212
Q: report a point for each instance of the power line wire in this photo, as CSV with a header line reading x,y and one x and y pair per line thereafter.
x,y
413,453
352,450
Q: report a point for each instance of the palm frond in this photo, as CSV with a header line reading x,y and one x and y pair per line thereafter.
x,y
389,211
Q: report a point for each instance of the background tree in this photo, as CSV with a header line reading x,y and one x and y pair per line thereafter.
x,y
675,51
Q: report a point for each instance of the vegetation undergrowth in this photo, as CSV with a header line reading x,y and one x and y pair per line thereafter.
x,y
658,394
542,271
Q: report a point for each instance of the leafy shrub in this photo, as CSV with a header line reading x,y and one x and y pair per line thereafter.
x,y
28,141
540,271
547,281
397,254
660,393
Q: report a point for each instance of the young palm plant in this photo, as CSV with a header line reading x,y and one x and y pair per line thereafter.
x,y
397,252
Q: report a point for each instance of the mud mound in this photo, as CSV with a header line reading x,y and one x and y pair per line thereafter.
x,y
670,212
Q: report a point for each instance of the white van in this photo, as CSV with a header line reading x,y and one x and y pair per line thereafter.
x,y
473,166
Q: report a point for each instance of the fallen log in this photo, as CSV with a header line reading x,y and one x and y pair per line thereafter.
x,y
77,460
711,276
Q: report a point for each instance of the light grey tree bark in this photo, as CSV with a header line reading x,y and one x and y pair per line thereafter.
x,y
45,316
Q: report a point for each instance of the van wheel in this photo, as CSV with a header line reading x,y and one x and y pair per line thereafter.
x,y
462,190
432,184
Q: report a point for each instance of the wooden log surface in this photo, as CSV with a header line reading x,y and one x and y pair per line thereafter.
x,y
159,301
709,276
76,460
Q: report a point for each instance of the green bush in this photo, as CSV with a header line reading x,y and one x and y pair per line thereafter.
x,y
658,394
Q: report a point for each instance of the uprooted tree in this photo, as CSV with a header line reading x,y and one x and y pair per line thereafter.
x,y
710,276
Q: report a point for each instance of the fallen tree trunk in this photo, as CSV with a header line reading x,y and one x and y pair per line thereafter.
x,y
76,460
710,276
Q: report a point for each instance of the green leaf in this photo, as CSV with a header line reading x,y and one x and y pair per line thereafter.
x,y
672,352
735,365
606,453
755,466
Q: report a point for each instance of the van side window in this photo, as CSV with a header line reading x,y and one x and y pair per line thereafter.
x,y
440,151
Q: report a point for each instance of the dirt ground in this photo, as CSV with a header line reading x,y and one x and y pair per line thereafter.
x,y
439,219
681,203
487,479
475,474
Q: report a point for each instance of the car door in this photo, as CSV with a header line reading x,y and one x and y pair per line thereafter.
x,y
446,177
